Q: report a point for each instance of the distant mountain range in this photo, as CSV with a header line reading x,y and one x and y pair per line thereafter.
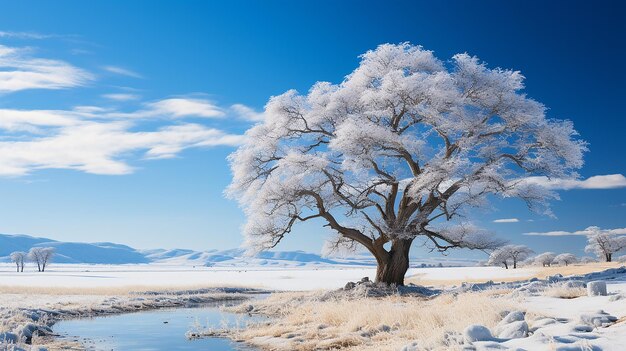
x,y
110,253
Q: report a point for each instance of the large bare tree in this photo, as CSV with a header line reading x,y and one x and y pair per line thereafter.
x,y
398,151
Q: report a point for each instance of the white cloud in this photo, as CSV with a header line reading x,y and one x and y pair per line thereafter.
x,y
122,71
248,113
506,220
183,107
586,231
19,71
609,181
85,139
121,96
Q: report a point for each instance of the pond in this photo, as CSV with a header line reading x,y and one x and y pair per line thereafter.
x,y
153,330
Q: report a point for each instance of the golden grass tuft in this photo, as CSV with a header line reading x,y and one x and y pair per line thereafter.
x,y
564,292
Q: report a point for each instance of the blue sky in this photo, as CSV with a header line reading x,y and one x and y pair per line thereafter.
x,y
187,64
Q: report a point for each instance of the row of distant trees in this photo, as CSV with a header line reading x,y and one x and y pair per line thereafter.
x,y
42,256
603,245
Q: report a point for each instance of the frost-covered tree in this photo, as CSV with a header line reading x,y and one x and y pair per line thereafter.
x,y
499,257
545,259
604,244
18,258
510,254
41,256
397,152
565,258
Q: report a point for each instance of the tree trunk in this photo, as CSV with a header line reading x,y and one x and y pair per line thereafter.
x,y
506,265
392,265
608,257
18,267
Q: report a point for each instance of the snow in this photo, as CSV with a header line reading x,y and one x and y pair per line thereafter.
x,y
308,277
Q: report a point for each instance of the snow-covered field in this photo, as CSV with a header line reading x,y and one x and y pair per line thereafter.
x,y
176,276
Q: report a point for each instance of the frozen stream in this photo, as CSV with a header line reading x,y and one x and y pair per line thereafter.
x,y
152,330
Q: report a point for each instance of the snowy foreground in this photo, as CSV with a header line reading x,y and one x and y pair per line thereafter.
x,y
553,313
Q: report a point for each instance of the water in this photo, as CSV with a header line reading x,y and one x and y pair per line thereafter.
x,y
152,330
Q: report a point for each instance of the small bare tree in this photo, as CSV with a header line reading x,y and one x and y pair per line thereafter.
x,y
545,259
499,257
18,258
42,256
510,254
566,258
604,244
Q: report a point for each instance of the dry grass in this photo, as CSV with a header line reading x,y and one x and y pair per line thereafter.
x,y
533,272
564,292
304,322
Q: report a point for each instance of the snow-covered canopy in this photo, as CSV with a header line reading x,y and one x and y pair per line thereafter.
x,y
397,150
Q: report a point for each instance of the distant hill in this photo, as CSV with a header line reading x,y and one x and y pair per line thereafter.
x,y
68,252
111,253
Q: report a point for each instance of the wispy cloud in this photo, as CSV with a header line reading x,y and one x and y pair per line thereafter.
x,y
122,71
247,113
24,35
183,107
121,96
609,181
80,140
506,220
586,231
20,71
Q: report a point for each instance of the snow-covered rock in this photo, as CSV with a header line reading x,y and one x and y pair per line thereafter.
x,y
477,332
511,317
9,338
598,319
513,330
596,288
512,326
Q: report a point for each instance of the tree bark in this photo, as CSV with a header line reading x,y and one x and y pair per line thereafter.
x,y
608,257
392,265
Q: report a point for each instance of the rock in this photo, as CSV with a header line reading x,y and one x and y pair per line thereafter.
x,y
365,279
513,330
598,319
349,286
534,279
617,297
477,332
9,338
513,316
596,288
